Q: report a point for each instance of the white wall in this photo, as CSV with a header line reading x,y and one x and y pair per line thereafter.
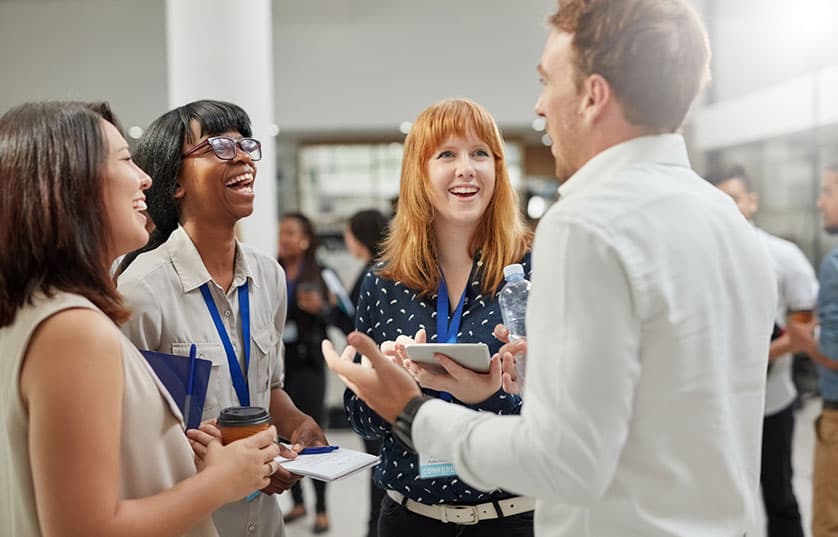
x,y
340,65
97,49
370,64
761,43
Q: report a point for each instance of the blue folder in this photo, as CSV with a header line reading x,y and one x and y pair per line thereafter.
x,y
173,372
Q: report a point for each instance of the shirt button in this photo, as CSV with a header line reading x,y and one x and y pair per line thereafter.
x,y
227,312
251,528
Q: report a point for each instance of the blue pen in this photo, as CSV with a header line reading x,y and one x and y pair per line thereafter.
x,y
187,401
317,450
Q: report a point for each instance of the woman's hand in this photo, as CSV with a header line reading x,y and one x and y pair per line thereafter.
x,y
507,354
306,434
309,299
396,351
201,437
245,465
466,385
282,479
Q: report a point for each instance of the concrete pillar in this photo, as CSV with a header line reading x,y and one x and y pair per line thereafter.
x,y
223,49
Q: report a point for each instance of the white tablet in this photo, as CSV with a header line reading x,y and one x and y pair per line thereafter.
x,y
474,356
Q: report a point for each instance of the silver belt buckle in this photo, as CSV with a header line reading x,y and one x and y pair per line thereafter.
x,y
475,517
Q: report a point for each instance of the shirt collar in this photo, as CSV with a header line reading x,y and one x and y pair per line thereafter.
x,y
190,268
667,149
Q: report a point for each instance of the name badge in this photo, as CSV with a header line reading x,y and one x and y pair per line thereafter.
x,y
430,467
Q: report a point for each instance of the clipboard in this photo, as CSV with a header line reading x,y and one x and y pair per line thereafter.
x,y
173,372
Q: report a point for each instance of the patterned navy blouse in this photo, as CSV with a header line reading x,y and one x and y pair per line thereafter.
x,y
387,309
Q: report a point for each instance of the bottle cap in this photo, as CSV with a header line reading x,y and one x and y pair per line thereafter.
x,y
510,270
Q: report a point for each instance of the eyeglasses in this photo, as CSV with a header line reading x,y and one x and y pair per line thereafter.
x,y
224,147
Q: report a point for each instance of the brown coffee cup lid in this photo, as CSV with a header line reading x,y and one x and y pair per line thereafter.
x,y
237,416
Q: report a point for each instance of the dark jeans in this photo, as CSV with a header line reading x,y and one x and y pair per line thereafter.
x,y
397,521
373,447
783,516
319,494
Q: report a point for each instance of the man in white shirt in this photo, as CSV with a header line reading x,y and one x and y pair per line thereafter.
x,y
650,312
797,291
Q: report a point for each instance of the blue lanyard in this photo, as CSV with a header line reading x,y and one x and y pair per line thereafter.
x,y
445,332
239,382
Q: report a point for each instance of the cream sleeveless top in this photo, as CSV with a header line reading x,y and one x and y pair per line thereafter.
x,y
155,452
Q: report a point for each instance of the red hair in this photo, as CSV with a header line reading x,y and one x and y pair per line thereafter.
x,y
502,237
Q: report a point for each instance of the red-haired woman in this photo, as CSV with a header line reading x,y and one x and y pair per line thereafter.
x,y
458,224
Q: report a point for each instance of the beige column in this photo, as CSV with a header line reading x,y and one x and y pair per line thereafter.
x,y
222,49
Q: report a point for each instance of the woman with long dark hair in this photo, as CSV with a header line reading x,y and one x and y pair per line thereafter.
x,y
93,444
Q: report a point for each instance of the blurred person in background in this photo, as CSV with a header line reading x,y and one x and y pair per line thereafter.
x,y
92,442
363,235
310,312
823,349
797,290
195,282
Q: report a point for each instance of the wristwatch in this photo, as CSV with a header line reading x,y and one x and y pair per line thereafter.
x,y
403,427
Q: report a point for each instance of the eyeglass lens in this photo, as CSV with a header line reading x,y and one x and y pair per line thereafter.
x,y
225,148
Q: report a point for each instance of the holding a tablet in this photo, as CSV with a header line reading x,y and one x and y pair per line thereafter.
x,y
474,356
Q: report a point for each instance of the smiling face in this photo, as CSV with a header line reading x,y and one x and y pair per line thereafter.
x,y
560,102
213,190
461,176
125,206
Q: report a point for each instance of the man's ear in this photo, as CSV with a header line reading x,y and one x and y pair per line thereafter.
x,y
597,96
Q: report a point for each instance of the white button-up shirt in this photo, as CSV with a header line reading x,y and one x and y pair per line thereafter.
x,y
797,289
648,323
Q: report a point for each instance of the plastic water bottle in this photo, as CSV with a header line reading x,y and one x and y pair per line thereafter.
x,y
513,309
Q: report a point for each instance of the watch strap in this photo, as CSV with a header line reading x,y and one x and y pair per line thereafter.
x,y
403,427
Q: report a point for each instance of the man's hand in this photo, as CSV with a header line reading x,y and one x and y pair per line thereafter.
x,y
507,355
386,387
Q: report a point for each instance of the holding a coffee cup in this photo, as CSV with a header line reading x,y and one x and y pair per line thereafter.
x,y
239,422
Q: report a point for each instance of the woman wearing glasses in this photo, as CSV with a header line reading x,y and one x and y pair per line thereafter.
x,y
196,283
92,443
